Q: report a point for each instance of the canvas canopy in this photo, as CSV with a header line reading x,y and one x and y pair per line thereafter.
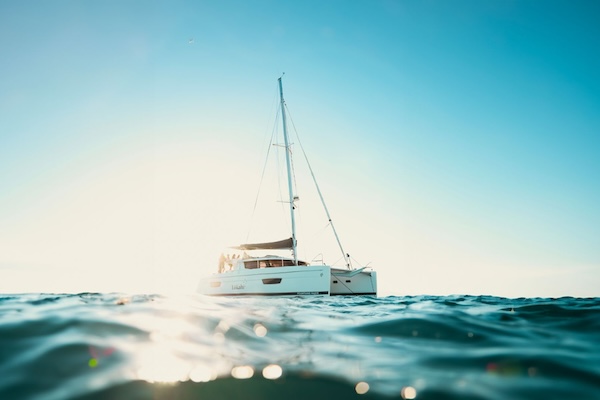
x,y
282,244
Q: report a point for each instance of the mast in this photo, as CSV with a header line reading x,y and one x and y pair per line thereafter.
x,y
289,172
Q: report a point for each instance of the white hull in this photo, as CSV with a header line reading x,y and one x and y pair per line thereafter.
x,y
284,281
304,280
360,282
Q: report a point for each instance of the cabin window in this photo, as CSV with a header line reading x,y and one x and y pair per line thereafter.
x,y
271,281
273,263
348,280
334,281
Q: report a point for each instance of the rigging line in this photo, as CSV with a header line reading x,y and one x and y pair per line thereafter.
x,y
338,260
315,237
279,179
356,261
289,149
262,176
344,254
293,170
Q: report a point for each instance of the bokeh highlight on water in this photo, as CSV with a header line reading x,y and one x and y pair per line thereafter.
x,y
113,346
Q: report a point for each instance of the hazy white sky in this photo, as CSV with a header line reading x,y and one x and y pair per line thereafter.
x,y
455,142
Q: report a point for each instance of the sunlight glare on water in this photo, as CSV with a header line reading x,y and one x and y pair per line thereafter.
x,y
260,330
272,371
361,387
409,392
242,372
201,373
157,363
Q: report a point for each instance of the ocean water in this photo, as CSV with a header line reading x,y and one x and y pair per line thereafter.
x,y
113,346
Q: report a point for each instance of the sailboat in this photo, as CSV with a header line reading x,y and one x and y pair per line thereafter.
x,y
270,275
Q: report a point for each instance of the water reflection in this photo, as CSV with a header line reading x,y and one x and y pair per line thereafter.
x,y
272,371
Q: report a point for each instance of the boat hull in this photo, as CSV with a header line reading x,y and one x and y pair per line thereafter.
x,y
353,282
285,281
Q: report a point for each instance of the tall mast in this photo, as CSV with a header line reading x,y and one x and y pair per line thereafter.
x,y
289,172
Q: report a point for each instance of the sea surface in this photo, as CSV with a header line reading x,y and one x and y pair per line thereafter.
x,y
115,346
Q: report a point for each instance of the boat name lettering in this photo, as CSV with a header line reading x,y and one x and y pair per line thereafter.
x,y
238,286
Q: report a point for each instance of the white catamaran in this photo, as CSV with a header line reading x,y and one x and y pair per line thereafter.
x,y
271,275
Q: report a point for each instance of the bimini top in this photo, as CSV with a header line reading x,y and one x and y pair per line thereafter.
x,y
282,244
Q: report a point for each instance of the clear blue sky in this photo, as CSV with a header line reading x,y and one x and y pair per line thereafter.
x,y
456,141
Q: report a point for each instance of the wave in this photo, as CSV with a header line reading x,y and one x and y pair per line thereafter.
x,y
97,346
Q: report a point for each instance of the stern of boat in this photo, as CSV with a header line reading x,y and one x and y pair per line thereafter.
x,y
362,282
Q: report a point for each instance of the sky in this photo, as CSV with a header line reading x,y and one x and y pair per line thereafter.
x,y
455,142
